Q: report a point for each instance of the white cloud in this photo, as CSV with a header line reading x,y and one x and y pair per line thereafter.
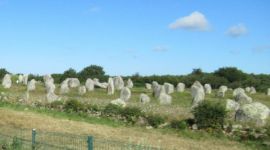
x,y
160,49
237,30
194,21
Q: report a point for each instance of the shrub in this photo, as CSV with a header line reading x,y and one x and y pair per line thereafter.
x,y
131,113
155,120
111,109
92,108
73,106
210,115
56,104
179,124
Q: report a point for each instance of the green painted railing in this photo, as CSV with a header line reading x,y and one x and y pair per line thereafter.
x,y
24,139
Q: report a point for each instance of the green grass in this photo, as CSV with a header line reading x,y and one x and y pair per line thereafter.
x,y
63,115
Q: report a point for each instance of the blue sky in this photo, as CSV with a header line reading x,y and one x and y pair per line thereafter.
x,y
145,36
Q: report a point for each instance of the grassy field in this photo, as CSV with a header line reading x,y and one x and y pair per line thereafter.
x,y
27,117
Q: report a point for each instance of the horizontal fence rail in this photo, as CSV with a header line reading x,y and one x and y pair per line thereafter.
x,y
24,139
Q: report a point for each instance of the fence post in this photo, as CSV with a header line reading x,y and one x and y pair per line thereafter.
x,y
34,139
90,143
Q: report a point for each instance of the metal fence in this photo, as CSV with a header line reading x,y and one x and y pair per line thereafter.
x,y
24,139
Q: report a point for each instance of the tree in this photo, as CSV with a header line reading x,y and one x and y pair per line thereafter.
x,y
92,71
197,71
232,74
70,73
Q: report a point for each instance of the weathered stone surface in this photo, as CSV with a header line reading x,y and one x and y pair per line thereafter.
x,y
154,84
254,112
119,102
20,78
148,86
31,86
73,82
118,83
165,99
222,90
64,88
157,90
208,88
82,90
197,93
144,98
25,79
7,82
48,78
242,98
253,90
237,91
103,85
125,94
180,87
129,83
110,88
268,91
248,89
51,97
50,87
232,105
90,85
169,88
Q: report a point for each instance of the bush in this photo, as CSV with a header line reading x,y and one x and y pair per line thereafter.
x,y
179,124
131,113
92,108
56,104
111,110
210,115
73,106
155,120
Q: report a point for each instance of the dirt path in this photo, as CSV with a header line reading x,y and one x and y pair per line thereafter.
x,y
24,119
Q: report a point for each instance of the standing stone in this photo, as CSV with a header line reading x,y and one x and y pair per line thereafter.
x,y
125,94
254,112
103,85
82,90
268,91
180,87
110,88
232,105
144,98
154,84
148,86
252,90
25,79
20,78
48,79
51,97
165,99
119,102
118,83
197,93
7,82
222,90
237,91
158,90
74,82
90,85
31,86
248,89
208,88
242,98
64,88
169,88
130,84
